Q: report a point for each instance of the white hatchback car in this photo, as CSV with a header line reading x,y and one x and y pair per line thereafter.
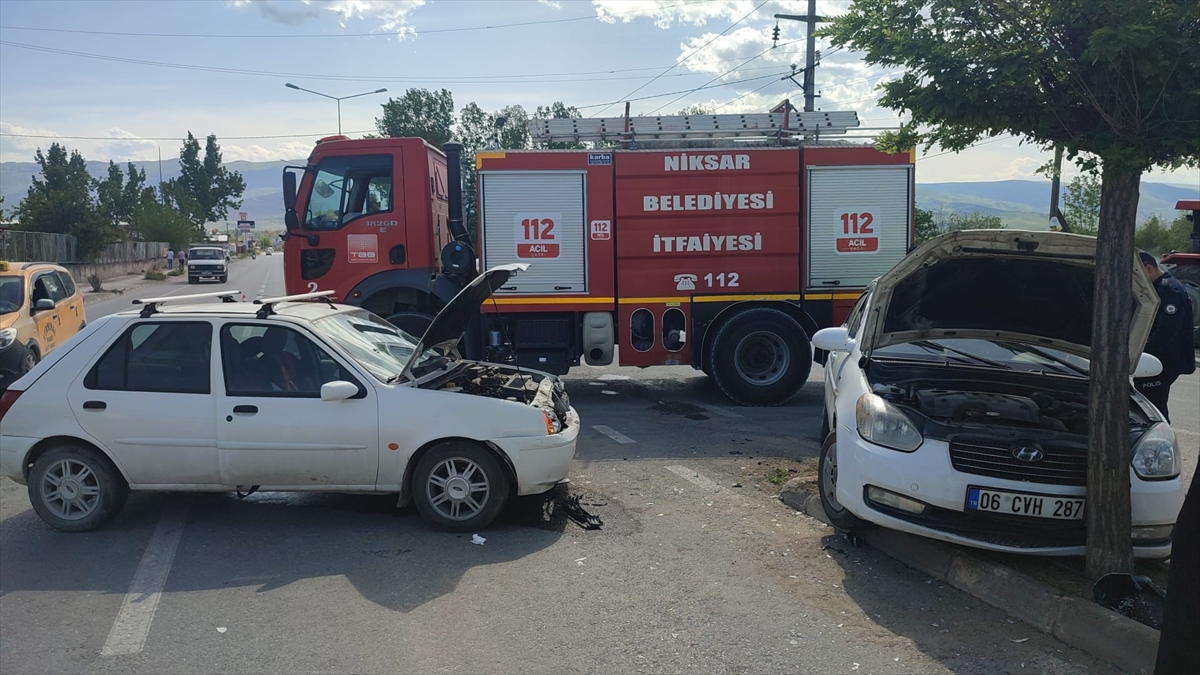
x,y
957,398
282,395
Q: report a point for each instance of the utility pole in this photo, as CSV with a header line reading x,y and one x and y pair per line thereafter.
x,y
1055,213
810,59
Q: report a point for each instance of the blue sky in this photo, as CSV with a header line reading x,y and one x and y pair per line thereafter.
x,y
108,89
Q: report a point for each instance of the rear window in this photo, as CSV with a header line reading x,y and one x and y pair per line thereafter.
x,y
165,357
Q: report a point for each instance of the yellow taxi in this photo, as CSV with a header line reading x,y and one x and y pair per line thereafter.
x,y
40,309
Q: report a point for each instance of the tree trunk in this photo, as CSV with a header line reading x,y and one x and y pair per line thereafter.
x,y
1109,546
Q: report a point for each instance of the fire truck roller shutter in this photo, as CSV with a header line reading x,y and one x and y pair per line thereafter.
x,y
858,224
536,217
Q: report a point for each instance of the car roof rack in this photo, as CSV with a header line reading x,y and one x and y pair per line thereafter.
x,y
268,304
151,304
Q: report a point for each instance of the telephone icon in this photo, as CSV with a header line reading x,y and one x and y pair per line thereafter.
x,y
685,282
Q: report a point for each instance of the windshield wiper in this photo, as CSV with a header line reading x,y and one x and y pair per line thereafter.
x,y
1070,367
973,357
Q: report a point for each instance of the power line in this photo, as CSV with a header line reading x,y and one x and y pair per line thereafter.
x,y
226,36
478,79
744,95
973,145
684,59
606,106
722,75
176,138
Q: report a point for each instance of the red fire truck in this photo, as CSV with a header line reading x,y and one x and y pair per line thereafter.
x,y
724,257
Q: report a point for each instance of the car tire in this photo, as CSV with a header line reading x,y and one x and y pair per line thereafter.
x,y
760,357
30,360
413,323
192,280
225,279
78,470
447,493
827,487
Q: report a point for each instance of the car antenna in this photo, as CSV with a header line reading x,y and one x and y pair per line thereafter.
x,y
508,337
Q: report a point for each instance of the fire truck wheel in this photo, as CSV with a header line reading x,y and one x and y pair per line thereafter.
x,y
413,323
760,357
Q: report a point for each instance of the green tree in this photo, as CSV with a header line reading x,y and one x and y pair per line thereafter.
x,y
421,113
116,197
973,221
156,220
1107,79
927,228
61,201
205,188
697,109
1081,204
1154,236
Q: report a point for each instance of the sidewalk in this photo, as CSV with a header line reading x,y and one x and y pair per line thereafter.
x,y
1065,613
118,285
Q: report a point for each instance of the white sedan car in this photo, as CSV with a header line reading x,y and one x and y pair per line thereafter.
x,y
956,400
282,395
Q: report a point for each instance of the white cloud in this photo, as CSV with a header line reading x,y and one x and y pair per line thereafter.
x,y
551,3
666,13
391,15
257,153
1021,167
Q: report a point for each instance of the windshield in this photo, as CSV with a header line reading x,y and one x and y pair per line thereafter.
x,y
206,254
989,353
12,292
377,345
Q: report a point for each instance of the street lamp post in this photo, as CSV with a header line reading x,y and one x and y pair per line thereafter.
x,y
339,99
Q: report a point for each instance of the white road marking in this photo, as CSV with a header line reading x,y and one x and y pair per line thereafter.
x,y
132,625
613,434
262,290
703,481
718,410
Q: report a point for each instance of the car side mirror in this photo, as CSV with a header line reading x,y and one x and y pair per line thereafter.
x,y
338,390
43,304
1148,365
835,339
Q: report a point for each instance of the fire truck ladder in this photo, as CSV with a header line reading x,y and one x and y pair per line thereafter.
x,y
664,128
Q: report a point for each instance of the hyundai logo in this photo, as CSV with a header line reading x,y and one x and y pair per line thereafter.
x,y
1028,453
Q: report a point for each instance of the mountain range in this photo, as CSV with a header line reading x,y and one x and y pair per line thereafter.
x,y
1021,204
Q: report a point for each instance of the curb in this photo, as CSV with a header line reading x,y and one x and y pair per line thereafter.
x,y
1086,626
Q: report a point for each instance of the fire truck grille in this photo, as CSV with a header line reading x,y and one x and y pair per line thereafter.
x,y
542,334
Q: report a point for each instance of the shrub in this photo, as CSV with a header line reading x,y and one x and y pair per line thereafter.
x,y
153,275
174,273
96,282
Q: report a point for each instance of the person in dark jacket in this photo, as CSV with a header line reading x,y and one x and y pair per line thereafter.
x,y
1170,338
1177,650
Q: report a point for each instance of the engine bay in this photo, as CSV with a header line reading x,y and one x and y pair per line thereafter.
x,y
507,383
957,400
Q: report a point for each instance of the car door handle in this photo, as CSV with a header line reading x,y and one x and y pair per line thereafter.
x,y
94,405
245,409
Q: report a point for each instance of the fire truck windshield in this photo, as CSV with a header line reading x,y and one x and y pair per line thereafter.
x,y
346,188
377,345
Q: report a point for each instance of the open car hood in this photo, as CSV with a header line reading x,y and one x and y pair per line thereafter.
x,y
451,323
1030,287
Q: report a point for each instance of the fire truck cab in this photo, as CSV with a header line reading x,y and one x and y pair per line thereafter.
x,y
725,256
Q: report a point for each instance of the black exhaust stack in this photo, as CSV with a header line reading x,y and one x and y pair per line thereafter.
x,y
453,152
458,257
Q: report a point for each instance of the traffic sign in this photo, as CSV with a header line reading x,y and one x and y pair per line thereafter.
x,y
245,225
242,215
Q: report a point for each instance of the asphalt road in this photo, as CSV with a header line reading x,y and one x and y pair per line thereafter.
x,y
689,573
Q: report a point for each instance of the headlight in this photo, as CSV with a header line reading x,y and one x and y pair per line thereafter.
x,y
7,337
552,425
1155,453
882,424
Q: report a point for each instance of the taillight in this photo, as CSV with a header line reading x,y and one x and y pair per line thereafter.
x,y
7,399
